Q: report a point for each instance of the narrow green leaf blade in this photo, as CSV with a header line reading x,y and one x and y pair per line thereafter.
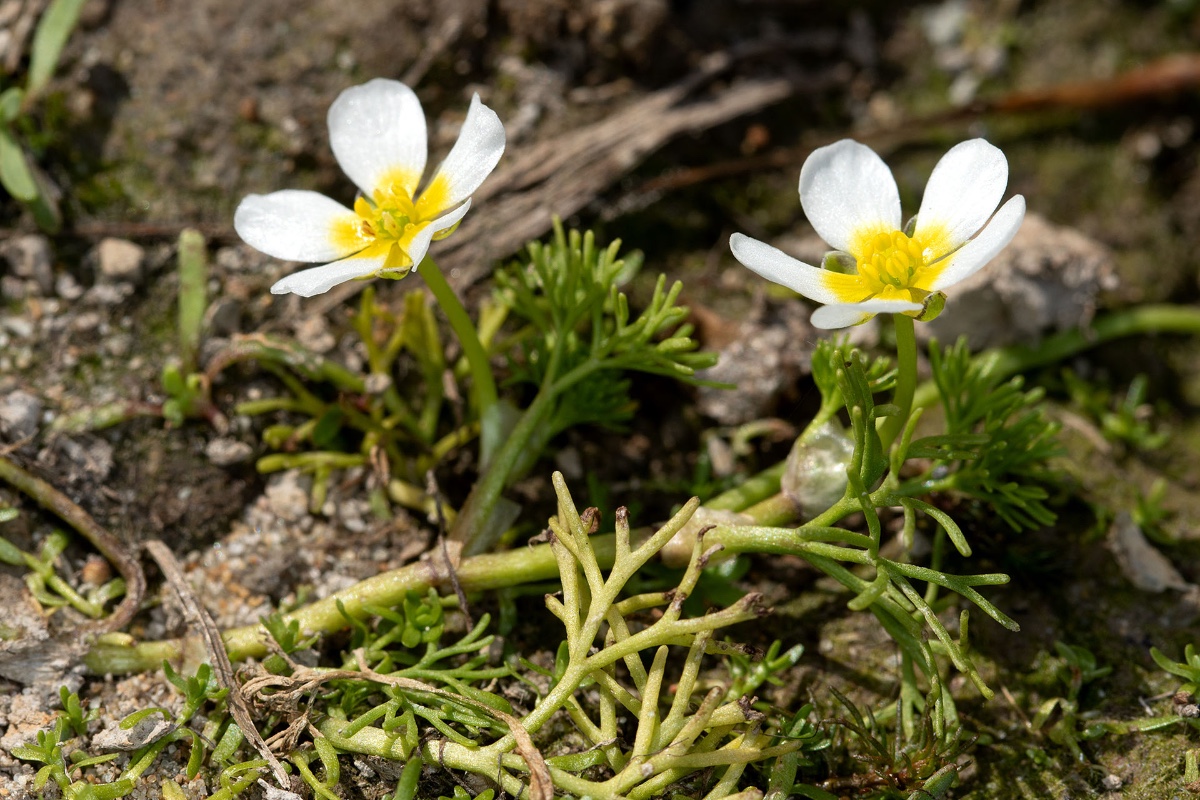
x,y
51,36
15,173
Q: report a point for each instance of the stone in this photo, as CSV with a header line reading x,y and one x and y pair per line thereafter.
x,y
287,496
19,415
1144,566
119,260
224,317
226,451
29,257
313,334
1048,279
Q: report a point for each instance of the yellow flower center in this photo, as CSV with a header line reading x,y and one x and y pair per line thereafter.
x,y
392,217
386,224
891,261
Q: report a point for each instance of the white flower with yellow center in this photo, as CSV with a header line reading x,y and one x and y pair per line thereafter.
x,y
377,132
851,199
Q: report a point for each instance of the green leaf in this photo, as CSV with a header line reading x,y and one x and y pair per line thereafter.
x,y
193,279
103,791
326,430
11,554
51,36
15,172
10,104
44,206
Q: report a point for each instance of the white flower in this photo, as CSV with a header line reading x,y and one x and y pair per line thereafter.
x,y
377,131
850,197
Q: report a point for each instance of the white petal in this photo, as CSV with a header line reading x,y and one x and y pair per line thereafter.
x,y
963,191
377,130
843,316
846,188
295,225
778,267
420,243
971,257
318,280
473,157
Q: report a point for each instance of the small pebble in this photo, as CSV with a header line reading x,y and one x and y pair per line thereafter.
x,y
19,414
225,451
120,260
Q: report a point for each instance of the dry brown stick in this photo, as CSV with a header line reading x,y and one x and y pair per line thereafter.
x,y
1159,79
445,36
562,176
199,617
109,546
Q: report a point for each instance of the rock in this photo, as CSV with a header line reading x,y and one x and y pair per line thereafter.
x,y
224,317
26,716
1048,279
19,415
226,451
106,294
29,257
1144,566
287,495
119,260
766,356
92,455
67,287
313,334
147,731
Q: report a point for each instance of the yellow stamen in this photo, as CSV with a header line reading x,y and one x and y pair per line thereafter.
x,y
388,220
894,266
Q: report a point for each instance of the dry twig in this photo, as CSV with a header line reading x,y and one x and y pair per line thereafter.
x,y
199,617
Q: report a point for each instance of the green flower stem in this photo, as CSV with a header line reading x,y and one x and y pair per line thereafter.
x,y
468,336
472,525
906,380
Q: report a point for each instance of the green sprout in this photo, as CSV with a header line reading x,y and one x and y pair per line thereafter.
x,y
19,173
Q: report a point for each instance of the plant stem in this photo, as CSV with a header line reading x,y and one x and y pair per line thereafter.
x,y
484,383
906,380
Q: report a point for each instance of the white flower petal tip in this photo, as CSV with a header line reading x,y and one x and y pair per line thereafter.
x,y
778,267
844,188
318,280
377,131
833,317
987,244
475,154
294,225
877,267
966,186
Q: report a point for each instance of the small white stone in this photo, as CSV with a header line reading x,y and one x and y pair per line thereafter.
x,y
19,413
120,260
226,451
